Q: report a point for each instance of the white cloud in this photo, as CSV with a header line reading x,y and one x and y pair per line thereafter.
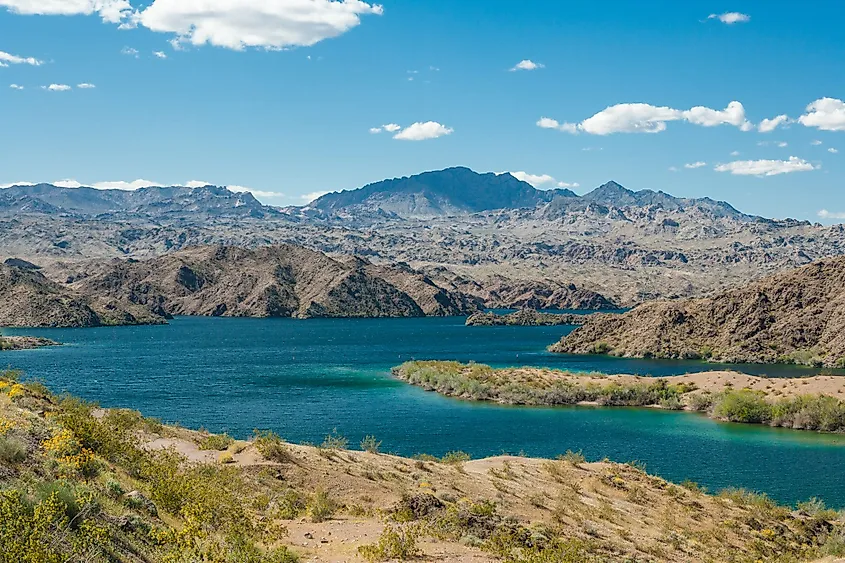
x,y
730,18
533,179
112,11
309,198
527,64
766,167
127,186
695,165
783,144
130,51
16,87
86,86
827,114
375,130
257,193
735,153
673,169
197,184
391,127
139,184
57,87
769,125
423,131
825,214
7,58
270,24
538,180
816,143
160,54
832,150
646,118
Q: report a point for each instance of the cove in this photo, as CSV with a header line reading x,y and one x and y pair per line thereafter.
x,y
305,378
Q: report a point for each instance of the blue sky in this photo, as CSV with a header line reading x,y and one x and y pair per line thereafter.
x,y
280,96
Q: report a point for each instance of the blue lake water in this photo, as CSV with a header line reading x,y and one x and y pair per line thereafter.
x,y
305,378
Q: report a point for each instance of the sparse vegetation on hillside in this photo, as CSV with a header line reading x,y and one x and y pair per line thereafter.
x,y
549,388
81,484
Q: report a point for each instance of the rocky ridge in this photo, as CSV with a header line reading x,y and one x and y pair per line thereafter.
x,y
793,317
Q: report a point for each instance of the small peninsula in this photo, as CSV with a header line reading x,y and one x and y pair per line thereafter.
x,y
813,403
526,317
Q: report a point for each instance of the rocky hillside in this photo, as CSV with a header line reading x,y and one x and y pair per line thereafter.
x,y
796,317
29,299
277,281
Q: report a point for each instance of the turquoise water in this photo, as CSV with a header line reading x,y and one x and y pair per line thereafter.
x,y
305,378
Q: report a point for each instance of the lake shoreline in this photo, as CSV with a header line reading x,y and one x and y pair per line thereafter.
x,y
809,404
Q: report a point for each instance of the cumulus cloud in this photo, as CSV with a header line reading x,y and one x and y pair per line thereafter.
x,y
57,88
7,59
816,143
730,18
527,64
130,52
832,150
16,87
735,153
783,144
420,131
825,214
86,86
694,165
375,130
533,179
646,118
111,11
269,24
160,54
769,125
538,180
766,167
827,114
391,127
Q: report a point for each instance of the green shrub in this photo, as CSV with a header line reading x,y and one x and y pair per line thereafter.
x,y
396,543
334,442
272,447
321,507
12,450
370,444
290,505
575,459
456,457
216,442
742,406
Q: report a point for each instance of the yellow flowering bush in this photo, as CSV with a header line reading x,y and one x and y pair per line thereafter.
x,y
5,426
16,390
62,444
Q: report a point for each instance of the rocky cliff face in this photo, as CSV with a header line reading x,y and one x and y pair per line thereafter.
x,y
28,299
796,317
276,281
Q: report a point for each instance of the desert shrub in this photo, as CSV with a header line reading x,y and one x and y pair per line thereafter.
x,y
742,406
334,442
810,412
321,507
12,450
601,348
693,487
395,543
575,459
271,446
290,505
426,457
216,442
700,402
370,444
456,457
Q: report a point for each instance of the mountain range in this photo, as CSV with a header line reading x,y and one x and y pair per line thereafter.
x,y
485,235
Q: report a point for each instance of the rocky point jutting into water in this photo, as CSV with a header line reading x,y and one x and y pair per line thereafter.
x,y
526,317
793,317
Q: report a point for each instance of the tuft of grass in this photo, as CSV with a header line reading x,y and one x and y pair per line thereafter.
x,y
12,450
456,458
272,447
396,543
321,507
575,459
335,442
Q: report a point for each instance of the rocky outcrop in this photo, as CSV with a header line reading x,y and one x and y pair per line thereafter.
x,y
526,317
275,281
794,317
8,343
28,299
